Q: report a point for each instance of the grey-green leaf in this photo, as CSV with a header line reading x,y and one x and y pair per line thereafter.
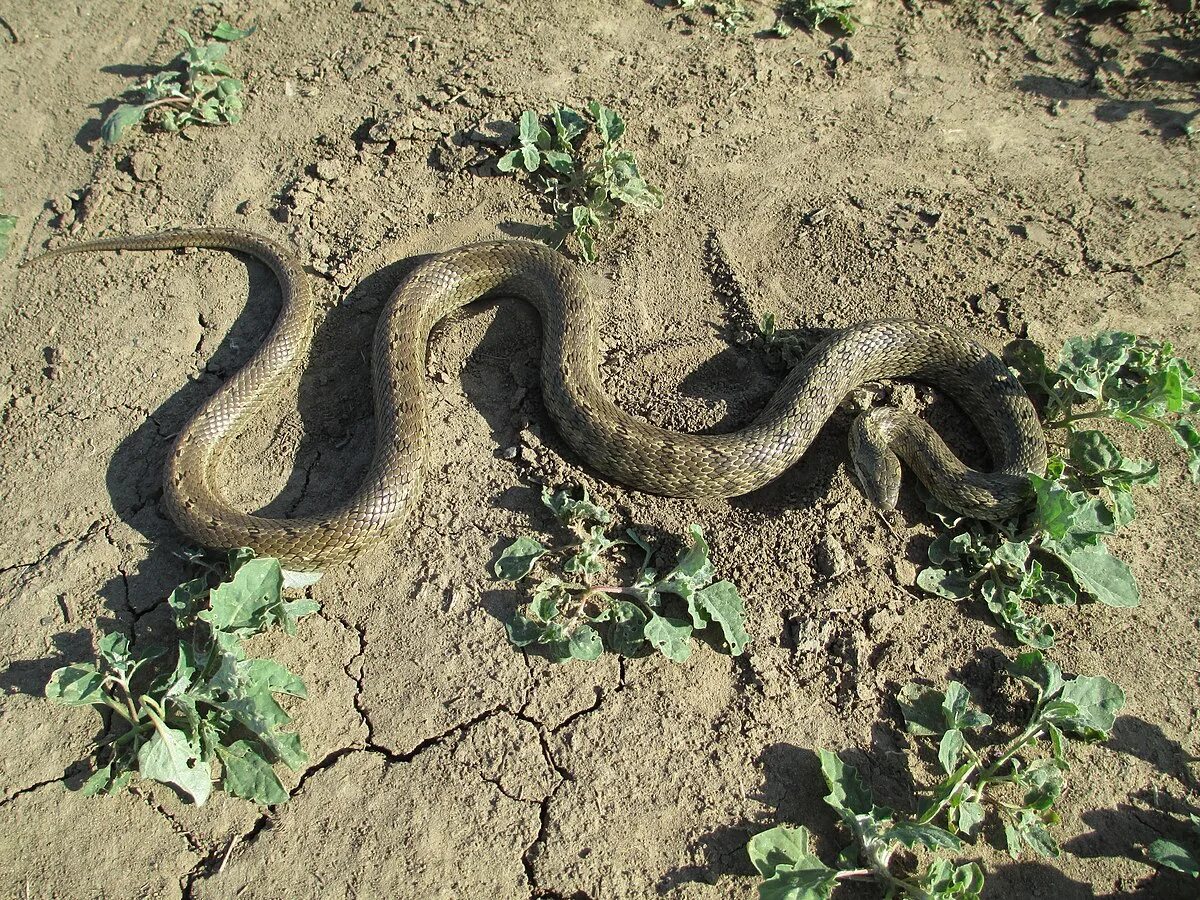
x,y
119,121
669,636
247,775
76,685
518,559
722,604
169,758
585,644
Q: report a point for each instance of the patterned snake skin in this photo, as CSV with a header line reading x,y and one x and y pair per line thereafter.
x,y
629,450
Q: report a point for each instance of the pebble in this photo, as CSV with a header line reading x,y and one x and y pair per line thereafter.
x,y
143,165
830,559
510,453
330,169
906,573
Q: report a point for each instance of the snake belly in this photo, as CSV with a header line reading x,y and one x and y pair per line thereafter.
x,y
625,448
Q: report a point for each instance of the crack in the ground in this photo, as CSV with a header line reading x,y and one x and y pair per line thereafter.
x,y
194,843
31,788
98,526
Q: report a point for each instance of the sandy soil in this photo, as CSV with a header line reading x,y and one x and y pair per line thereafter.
x,y
1009,173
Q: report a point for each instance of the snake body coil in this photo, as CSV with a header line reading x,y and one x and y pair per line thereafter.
x,y
628,449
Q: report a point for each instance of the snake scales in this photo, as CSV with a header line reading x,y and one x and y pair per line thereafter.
x,y
630,450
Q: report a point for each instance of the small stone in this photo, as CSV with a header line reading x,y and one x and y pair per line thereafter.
x,y
906,573
23,402
830,559
143,165
441,377
330,169
247,207
817,216
510,453
122,183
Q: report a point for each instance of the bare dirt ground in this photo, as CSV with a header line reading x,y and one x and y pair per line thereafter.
x,y
1009,173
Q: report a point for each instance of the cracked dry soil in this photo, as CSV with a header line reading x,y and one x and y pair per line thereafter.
x,y
1010,174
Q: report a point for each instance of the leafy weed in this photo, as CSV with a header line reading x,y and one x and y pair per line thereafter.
x,y
195,88
1055,553
1005,783
571,616
7,224
577,161
213,704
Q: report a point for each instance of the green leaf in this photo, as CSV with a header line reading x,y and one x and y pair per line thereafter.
x,y
943,583
808,884
722,604
246,604
1187,437
1035,836
522,631
585,644
248,775
970,817
530,157
945,881
569,510
508,161
530,128
114,650
848,794
98,782
610,125
119,121
562,163
791,870
1097,700
669,636
168,757
910,834
185,599
1040,673
1175,856
76,685
518,559
1098,573
223,31
950,749
922,710
629,628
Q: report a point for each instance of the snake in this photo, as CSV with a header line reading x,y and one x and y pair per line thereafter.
x,y
618,444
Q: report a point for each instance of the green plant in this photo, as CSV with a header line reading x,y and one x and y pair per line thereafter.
x,y
576,618
999,780
1056,552
7,224
730,15
586,192
196,88
1183,858
214,703
1083,7
815,13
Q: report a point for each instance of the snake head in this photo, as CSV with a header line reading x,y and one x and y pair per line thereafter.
x,y
876,467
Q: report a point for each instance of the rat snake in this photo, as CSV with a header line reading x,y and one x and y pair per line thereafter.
x,y
623,446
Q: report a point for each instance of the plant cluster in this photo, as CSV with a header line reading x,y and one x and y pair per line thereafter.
x,y
577,161
1182,857
1055,553
195,88
1086,7
7,224
1003,782
573,617
815,13
214,704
